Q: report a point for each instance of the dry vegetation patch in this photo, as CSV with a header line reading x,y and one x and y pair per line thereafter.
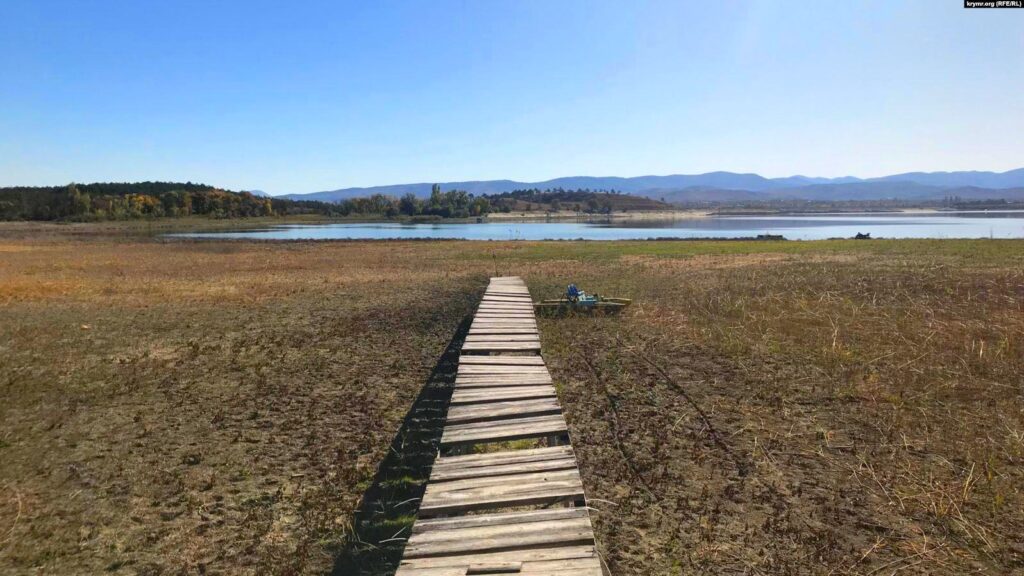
x,y
861,415
188,407
222,407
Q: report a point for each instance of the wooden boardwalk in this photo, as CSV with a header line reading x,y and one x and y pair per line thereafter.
x,y
503,510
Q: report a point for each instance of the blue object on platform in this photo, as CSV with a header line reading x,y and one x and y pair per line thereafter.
x,y
573,292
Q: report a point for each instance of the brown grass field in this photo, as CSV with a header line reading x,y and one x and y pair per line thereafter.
x,y
834,407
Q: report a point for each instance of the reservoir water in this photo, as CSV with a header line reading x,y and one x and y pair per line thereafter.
x,y
989,224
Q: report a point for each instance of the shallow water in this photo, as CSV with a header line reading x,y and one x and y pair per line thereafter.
x,y
993,224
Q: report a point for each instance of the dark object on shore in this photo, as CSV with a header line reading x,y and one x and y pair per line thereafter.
x,y
862,236
576,300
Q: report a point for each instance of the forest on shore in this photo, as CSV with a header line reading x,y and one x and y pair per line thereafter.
x,y
128,201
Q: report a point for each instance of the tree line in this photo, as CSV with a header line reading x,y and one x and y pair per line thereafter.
x,y
124,201
579,200
450,204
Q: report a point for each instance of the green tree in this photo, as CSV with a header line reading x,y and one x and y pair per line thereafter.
x,y
436,198
409,204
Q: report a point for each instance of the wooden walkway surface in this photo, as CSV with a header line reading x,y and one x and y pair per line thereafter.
x,y
501,510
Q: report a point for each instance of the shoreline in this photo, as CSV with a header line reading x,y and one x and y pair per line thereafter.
x,y
573,216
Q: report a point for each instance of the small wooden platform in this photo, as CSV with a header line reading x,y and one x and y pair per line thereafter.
x,y
511,511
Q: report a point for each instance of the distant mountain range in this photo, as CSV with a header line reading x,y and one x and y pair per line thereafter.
x,y
733,187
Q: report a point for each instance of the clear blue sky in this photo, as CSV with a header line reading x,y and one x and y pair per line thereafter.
x,y
306,96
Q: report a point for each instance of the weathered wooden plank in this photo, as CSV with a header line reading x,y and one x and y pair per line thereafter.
x,y
513,492
531,343
501,344
519,493
475,336
508,456
512,299
575,567
492,336
462,384
500,331
502,338
497,410
501,394
540,377
500,518
493,368
535,335
527,556
502,375
501,360
496,530
503,296
500,379
503,318
504,430
498,347
503,378
483,381
500,384
445,474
